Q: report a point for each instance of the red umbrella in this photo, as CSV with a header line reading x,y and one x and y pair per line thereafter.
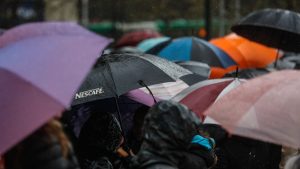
x,y
200,96
264,108
135,37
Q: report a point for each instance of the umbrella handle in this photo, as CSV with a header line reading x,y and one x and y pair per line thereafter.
x,y
125,145
144,85
237,72
277,57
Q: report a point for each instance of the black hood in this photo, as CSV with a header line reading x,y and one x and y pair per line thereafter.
x,y
168,130
170,125
100,135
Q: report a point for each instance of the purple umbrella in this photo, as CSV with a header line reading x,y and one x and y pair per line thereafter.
x,y
41,67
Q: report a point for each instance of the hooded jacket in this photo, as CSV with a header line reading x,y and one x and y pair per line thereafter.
x,y
99,138
169,128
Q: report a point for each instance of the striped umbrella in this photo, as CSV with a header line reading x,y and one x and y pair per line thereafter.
x,y
192,48
200,96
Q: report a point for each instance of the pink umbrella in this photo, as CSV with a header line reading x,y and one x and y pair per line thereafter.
x,y
200,96
264,108
41,67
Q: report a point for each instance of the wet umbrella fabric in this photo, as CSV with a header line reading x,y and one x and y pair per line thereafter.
x,y
166,91
264,108
201,71
192,48
116,74
41,67
247,54
276,28
150,43
248,73
200,96
199,68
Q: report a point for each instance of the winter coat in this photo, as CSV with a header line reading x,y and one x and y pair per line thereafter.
x,y
40,151
99,138
168,130
235,152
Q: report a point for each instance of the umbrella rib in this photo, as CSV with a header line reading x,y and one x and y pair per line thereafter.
x,y
112,78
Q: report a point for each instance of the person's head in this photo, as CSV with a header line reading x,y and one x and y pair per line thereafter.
x,y
170,125
293,163
21,155
101,134
138,120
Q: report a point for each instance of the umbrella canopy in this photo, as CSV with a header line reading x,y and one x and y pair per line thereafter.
x,y
41,67
116,74
135,37
201,71
245,53
150,43
199,68
166,91
248,73
276,28
264,108
126,49
128,104
200,96
192,48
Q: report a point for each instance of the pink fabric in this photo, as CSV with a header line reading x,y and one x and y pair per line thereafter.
x,y
23,107
200,99
265,108
141,97
41,67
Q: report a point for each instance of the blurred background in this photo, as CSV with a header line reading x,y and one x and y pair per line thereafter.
x,y
202,18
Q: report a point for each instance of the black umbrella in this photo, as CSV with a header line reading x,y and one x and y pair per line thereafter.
x,y
272,27
116,74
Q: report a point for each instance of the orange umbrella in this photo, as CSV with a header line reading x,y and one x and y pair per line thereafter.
x,y
218,72
245,53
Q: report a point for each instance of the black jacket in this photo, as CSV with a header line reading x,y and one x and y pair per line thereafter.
x,y
168,130
236,152
99,138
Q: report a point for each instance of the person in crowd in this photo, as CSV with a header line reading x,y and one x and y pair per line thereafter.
x,y
235,152
172,140
293,163
98,141
47,148
136,135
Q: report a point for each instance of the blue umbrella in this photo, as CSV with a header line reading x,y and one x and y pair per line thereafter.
x,y
192,48
150,43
